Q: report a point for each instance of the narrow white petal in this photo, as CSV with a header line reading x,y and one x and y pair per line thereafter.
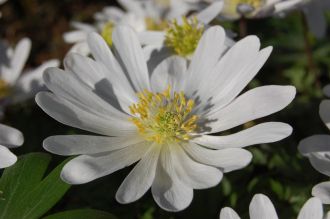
x,y
72,115
86,168
206,15
128,47
227,159
326,90
140,179
167,189
263,133
10,137
261,208
6,157
317,149
169,72
18,60
316,18
155,55
151,37
86,144
228,213
256,103
312,209
322,191
75,36
325,112
194,174
205,57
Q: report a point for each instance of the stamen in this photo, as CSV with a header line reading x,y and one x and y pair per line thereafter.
x,y
4,89
183,39
155,25
162,117
107,32
241,7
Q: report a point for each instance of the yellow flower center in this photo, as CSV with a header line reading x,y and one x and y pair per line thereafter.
x,y
4,89
153,24
231,7
106,32
162,117
164,3
183,39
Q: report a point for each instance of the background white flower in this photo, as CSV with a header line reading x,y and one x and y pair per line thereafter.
x,y
17,85
147,17
262,208
9,138
163,119
317,149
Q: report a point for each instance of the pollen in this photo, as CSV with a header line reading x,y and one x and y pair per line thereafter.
x,y
164,117
231,7
183,38
4,89
106,32
156,25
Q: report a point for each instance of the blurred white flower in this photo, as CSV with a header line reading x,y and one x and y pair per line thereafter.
x,y
162,120
147,17
317,149
315,15
9,138
17,85
261,207
1,2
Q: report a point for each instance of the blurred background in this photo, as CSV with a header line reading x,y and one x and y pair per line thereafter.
x,y
277,169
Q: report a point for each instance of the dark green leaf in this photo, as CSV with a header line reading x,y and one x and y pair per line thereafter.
x,y
81,214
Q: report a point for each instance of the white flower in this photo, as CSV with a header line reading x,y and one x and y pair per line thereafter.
x,y
163,120
1,2
262,208
16,85
9,138
147,17
315,15
317,149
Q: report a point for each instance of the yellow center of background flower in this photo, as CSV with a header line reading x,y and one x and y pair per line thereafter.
x,y
4,89
106,32
183,39
164,117
231,6
153,24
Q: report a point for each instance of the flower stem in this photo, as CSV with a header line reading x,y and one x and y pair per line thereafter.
x,y
242,27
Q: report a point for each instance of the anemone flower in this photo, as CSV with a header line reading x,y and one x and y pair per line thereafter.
x,y
9,138
261,208
147,17
164,120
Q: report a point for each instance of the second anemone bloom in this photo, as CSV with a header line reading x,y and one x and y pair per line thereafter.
x,y
161,121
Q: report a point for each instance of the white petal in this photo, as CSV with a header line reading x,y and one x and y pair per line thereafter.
x,y
31,82
322,191
80,48
206,15
317,149
263,133
66,85
169,73
205,57
316,18
326,90
325,112
167,189
227,159
228,213
312,209
75,36
17,62
261,208
233,71
128,47
140,179
10,137
194,174
155,55
86,168
70,114
86,144
256,103
6,157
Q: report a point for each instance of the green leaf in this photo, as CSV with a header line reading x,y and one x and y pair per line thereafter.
x,y
25,194
81,214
